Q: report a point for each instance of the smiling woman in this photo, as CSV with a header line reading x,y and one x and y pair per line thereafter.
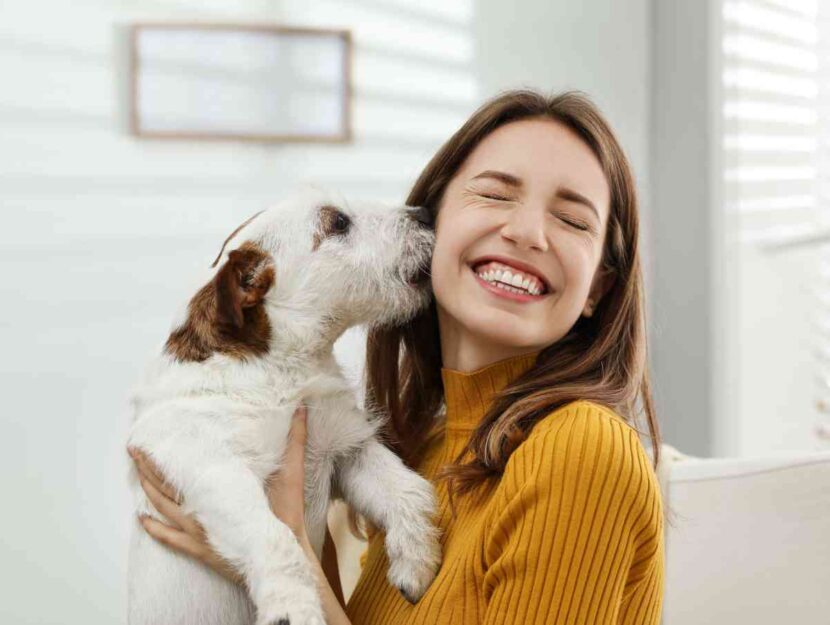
x,y
535,347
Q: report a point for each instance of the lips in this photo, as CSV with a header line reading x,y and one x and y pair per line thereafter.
x,y
518,265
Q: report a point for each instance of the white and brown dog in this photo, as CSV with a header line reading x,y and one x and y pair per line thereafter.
x,y
214,410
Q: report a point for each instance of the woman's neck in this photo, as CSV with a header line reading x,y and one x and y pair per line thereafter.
x,y
462,350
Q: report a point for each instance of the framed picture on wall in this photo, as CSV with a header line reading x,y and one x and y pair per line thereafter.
x,y
240,82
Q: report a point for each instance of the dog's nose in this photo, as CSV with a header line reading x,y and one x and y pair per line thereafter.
x,y
422,215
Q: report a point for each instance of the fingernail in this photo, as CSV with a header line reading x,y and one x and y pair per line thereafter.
x,y
132,452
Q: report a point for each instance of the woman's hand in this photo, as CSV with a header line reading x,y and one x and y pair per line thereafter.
x,y
285,491
286,486
184,534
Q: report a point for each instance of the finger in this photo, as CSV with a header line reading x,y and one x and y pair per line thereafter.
x,y
294,456
148,469
170,509
174,538
299,426
174,512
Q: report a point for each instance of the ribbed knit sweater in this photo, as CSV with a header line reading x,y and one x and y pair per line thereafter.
x,y
572,533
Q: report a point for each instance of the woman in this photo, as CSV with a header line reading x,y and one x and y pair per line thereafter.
x,y
535,343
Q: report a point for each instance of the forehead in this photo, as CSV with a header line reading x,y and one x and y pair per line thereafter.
x,y
545,154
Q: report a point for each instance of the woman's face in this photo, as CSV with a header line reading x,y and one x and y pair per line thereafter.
x,y
528,208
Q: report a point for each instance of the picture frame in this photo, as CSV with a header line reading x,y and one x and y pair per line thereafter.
x,y
240,82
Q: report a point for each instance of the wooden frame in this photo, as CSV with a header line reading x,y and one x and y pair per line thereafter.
x,y
136,129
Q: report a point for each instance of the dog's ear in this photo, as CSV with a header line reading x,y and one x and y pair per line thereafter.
x,y
242,283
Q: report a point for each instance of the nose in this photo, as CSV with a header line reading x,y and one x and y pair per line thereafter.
x,y
525,227
422,215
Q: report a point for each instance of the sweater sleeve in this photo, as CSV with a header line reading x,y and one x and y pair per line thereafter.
x,y
577,536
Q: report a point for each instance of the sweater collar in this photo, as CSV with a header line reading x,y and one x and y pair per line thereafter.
x,y
468,395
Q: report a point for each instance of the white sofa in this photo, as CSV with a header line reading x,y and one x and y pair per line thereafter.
x,y
747,539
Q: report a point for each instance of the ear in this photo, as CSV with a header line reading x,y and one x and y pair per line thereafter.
x,y
603,281
242,282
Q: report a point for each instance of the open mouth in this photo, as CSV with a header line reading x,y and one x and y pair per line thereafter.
x,y
499,276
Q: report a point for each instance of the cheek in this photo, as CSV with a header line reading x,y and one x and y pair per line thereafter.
x,y
578,261
452,236
445,257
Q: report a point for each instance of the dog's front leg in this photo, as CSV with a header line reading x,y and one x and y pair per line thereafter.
x,y
377,484
229,500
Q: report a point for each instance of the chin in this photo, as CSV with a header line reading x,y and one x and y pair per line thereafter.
x,y
509,331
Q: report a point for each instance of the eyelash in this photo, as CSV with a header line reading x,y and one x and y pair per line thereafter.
x,y
577,225
574,224
495,197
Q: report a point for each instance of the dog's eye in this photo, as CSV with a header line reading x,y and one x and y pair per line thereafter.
x,y
340,224
333,222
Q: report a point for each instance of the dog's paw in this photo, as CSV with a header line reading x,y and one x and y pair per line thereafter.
x,y
294,616
292,608
412,571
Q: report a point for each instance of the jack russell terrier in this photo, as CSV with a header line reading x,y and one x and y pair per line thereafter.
x,y
214,410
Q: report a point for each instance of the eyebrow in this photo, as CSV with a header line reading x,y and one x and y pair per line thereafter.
x,y
562,193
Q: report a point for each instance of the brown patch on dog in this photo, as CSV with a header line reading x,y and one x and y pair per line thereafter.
x,y
326,225
234,233
227,315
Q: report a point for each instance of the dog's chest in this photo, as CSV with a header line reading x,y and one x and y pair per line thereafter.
x,y
335,428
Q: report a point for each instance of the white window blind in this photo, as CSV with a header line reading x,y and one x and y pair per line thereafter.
x,y
776,146
772,119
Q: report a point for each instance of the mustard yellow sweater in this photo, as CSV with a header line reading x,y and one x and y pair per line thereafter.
x,y
573,533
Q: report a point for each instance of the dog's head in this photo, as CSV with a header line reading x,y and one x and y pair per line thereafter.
x,y
305,270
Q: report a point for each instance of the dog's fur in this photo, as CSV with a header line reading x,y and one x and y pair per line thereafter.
x,y
214,410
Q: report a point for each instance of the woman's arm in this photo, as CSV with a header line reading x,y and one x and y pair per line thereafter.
x,y
285,494
578,537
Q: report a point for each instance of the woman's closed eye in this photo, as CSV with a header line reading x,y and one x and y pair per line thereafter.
x,y
488,192
574,223
490,195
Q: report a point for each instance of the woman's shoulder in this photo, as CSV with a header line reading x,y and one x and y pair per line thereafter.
x,y
586,450
595,417
583,431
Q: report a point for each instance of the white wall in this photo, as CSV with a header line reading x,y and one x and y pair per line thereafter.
x,y
688,352
778,329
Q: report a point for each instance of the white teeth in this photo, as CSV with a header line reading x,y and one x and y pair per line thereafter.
x,y
508,281
513,282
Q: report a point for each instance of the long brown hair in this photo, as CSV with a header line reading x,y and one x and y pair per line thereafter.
x,y
602,358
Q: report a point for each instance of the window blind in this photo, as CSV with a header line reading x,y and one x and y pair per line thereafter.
x,y
776,146
772,119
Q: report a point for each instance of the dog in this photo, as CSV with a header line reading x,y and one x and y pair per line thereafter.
x,y
214,409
